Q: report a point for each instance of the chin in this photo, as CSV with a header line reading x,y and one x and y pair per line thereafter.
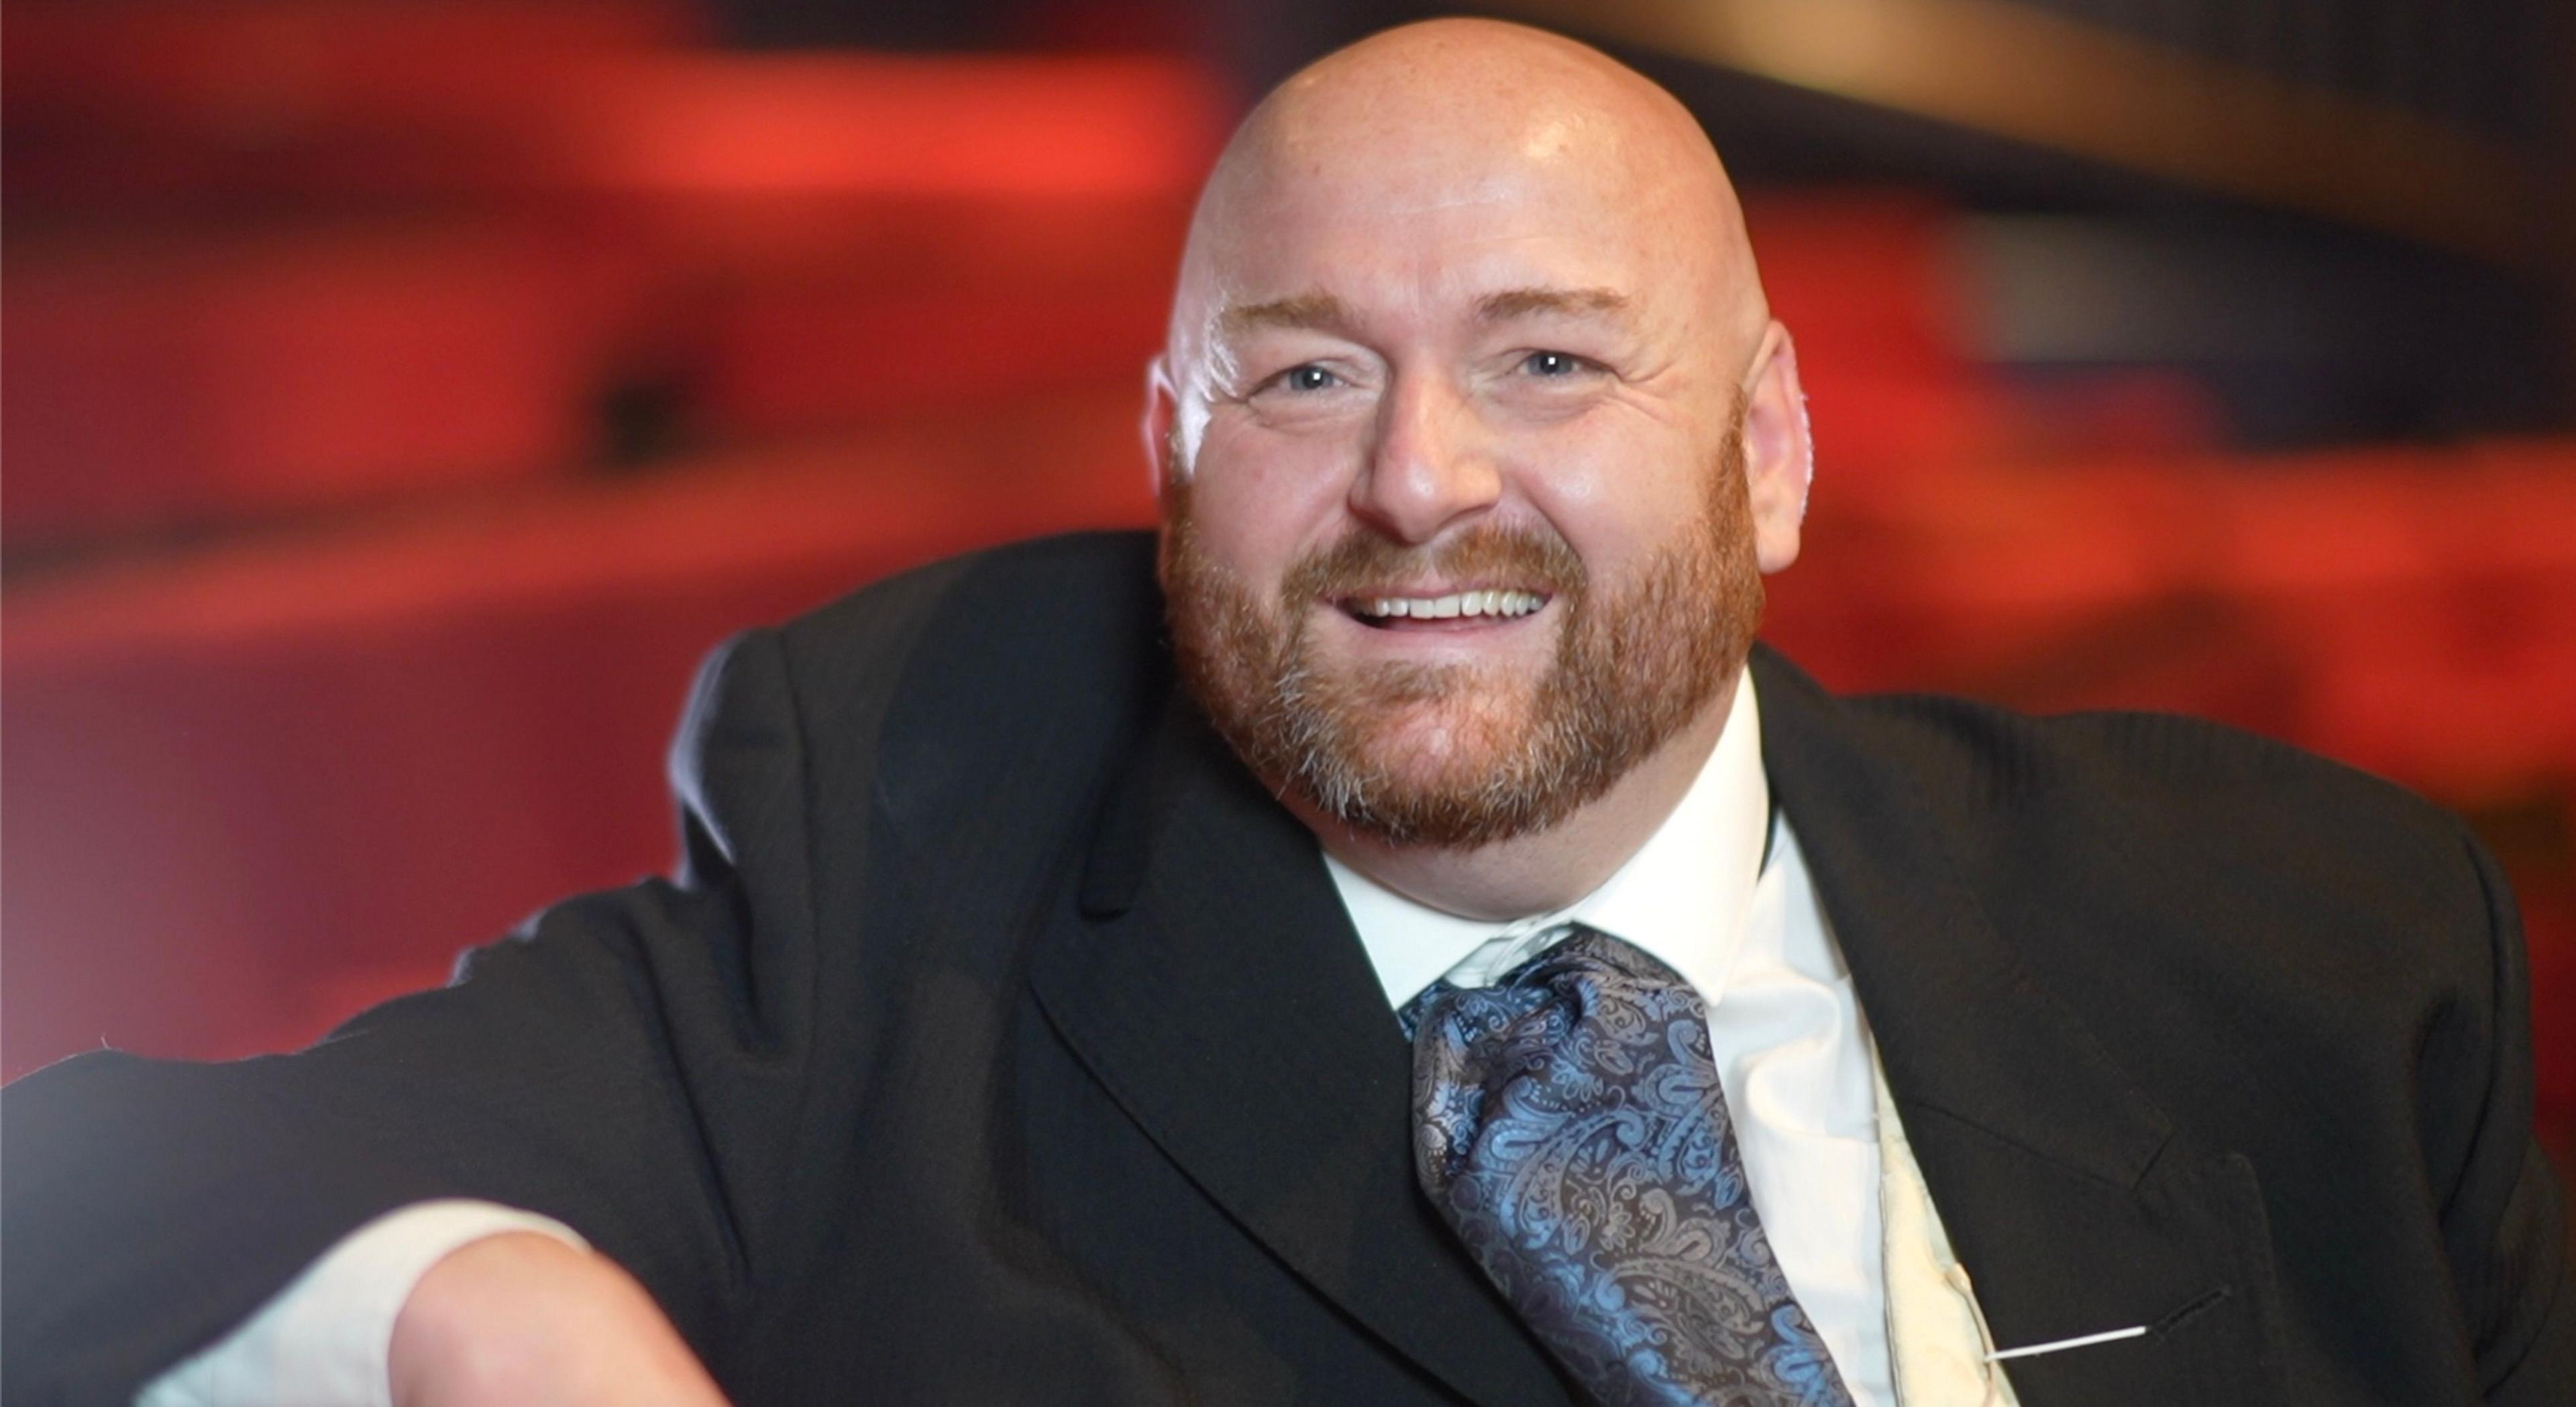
x,y
1453,742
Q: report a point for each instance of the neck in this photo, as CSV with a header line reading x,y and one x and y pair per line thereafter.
x,y
1550,869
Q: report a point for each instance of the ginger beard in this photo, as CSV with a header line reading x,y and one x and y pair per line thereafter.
x,y
1458,756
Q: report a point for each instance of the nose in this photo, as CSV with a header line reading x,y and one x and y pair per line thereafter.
x,y
1426,467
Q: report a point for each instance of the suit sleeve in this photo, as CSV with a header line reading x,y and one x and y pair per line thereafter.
x,y
2504,1221
626,1064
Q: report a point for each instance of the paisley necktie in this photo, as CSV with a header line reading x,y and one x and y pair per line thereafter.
x,y
1570,1126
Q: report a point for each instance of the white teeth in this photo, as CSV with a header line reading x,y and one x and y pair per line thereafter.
x,y
1458,603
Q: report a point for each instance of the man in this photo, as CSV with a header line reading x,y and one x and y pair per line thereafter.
x,y
1447,973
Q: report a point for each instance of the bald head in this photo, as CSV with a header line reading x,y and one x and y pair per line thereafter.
x,y
1442,137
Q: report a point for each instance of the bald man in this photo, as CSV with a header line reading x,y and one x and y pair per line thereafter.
x,y
1389,939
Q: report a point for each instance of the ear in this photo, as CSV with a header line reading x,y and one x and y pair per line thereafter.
x,y
1162,407
1779,459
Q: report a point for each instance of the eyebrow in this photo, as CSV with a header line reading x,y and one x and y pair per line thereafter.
x,y
1558,302
1320,312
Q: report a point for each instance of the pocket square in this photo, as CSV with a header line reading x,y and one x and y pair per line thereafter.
x,y
2134,1331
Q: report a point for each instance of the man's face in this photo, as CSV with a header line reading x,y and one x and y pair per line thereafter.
x,y
1465,536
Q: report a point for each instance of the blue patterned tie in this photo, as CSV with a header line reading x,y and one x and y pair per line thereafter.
x,y
1570,1126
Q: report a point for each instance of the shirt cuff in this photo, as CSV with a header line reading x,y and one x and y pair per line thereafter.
x,y
323,1341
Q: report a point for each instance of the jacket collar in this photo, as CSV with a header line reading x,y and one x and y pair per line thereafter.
x,y
1962,1027
2075,1203
1216,989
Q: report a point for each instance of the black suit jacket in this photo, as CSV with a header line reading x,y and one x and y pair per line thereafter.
x,y
1003,1041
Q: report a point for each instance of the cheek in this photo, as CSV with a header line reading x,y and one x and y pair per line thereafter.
x,y
1260,502
1613,498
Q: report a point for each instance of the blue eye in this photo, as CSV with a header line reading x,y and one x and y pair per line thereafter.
x,y
1310,377
1551,364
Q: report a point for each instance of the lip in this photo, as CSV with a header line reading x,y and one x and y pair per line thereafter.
x,y
1439,588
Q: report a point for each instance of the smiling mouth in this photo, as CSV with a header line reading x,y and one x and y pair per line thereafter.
x,y
1387,612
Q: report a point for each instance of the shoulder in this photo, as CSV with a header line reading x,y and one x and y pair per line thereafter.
x,y
1018,670
2165,783
1986,767
1083,602
2215,847
1984,757
906,762
1013,629
2281,952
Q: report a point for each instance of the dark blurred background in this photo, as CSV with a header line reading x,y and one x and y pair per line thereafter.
x,y
402,395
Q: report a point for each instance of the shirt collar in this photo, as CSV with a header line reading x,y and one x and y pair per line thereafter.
x,y
1682,897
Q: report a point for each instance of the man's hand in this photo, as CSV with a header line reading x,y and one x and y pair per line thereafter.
x,y
525,1319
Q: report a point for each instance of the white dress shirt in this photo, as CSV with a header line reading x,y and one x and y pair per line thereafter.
x,y
323,1341
1793,1056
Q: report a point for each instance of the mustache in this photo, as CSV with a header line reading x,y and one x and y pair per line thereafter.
x,y
1524,556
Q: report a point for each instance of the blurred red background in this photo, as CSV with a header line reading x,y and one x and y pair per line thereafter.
x,y
402,398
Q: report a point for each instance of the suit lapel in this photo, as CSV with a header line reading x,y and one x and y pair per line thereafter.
x,y
2074,1204
1216,989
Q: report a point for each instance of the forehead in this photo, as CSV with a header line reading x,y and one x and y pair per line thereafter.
x,y
1450,238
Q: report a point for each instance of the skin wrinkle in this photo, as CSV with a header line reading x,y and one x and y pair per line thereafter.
x,y
1527,339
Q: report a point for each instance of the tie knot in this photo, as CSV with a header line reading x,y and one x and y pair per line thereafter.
x,y
1572,959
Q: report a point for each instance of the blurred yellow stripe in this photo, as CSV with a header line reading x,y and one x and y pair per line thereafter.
x,y
2020,73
